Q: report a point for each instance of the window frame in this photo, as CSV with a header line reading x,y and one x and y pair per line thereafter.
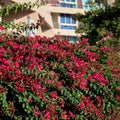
x,y
66,16
69,4
66,22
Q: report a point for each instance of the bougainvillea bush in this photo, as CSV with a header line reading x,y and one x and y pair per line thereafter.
x,y
48,79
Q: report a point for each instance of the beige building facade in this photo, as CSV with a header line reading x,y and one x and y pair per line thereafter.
x,y
55,17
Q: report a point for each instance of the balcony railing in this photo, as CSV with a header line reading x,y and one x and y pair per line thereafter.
x,y
64,26
65,4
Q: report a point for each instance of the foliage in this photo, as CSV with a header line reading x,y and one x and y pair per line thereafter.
x,y
48,79
95,4
100,23
19,27
19,6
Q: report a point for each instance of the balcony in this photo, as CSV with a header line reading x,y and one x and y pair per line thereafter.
x,y
64,32
54,9
64,26
57,31
63,3
67,30
64,29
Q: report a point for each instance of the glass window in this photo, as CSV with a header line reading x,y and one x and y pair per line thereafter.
x,y
62,18
68,27
73,39
68,0
66,22
72,0
86,6
68,3
68,18
73,6
73,21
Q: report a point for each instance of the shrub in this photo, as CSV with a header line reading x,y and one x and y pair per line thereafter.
x,y
48,79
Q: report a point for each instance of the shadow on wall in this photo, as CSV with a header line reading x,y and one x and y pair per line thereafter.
x,y
16,16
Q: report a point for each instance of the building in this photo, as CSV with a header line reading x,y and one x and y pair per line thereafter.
x,y
55,17
58,18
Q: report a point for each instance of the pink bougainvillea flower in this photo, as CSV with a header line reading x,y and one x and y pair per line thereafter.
x,y
71,114
28,99
99,100
118,97
91,55
40,67
82,105
54,78
2,90
83,83
1,28
64,115
83,41
118,89
54,94
36,111
105,49
50,81
98,77
59,84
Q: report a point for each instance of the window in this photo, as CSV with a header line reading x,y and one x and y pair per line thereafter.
x,y
66,22
62,18
86,5
67,0
97,4
67,18
68,27
72,39
68,3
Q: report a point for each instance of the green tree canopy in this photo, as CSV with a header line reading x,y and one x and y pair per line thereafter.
x,y
101,22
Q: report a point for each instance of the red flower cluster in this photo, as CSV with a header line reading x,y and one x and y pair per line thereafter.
x,y
98,77
1,28
52,79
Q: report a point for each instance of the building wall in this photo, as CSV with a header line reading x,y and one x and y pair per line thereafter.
x,y
55,19
50,14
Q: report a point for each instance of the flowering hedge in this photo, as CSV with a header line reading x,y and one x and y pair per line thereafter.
x,y
48,79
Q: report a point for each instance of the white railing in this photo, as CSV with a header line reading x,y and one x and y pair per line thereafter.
x,y
57,25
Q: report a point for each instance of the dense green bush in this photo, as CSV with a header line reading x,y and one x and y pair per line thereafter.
x,y
48,79
100,23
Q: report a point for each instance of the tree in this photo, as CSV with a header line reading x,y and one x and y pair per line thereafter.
x,y
100,23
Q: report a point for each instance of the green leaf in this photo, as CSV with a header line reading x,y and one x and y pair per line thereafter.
x,y
6,11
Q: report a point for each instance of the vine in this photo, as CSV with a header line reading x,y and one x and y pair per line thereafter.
x,y
20,6
20,27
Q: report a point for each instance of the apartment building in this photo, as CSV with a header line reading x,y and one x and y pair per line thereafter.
x,y
58,16
55,17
